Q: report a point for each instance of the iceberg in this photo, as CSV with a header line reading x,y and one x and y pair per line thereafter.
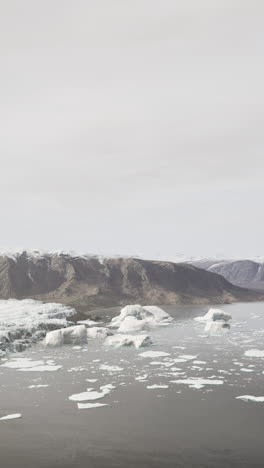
x,y
76,335
217,325
136,317
119,340
98,333
214,315
23,322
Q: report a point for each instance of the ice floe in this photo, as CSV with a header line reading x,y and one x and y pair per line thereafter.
x,y
108,367
11,416
155,386
90,395
44,368
198,383
119,340
91,405
154,354
251,398
254,353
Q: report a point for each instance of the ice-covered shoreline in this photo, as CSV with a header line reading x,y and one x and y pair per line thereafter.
x,y
26,321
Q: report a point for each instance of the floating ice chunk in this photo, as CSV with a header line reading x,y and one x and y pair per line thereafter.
x,y
77,347
251,398
254,353
138,341
187,357
153,387
44,368
107,386
154,354
88,322
21,363
91,380
141,377
149,314
198,383
243,369
76,335
111,368
213,315
98,332
132,324
90,405
216,326
89,395
199,362
11,416
38,386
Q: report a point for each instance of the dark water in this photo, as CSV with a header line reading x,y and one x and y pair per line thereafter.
x,y
176,426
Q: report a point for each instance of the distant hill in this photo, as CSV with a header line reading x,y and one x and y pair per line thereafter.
x,y
87,282
244,273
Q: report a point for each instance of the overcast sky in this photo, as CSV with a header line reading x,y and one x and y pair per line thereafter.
x,y
132,126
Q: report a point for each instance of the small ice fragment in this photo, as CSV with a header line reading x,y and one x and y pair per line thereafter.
x,y
154,354
90,405
111,368
152,387
89,395
11,416
41,369
251,398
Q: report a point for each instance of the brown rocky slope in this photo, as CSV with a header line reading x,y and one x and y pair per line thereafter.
x,y
88,283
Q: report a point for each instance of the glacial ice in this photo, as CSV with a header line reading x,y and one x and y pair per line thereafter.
x,y
90,405
23,322
198,383
140,317
213,315
154,354
119,340
11,416
90,395
254,353
76,335
251,398
98,332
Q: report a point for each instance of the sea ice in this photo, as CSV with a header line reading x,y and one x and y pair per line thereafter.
x,y
107,367
76,335
138,341
44,368
154,354
98,332
25,321
11,416
251,398
152,387
90,405
254,353
148,315
198,383
89,395
19,363
213,315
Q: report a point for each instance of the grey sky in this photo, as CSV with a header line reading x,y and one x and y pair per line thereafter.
x,y
132,126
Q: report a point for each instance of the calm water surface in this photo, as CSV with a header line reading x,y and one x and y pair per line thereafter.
x,y
176,426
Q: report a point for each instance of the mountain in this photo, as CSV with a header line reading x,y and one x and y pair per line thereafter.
x,y
244,273
87,282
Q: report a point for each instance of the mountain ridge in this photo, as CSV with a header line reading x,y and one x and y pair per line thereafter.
x,y
91,282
